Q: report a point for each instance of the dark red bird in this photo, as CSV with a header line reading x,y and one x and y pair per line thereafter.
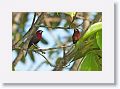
x,y
76,36
36,38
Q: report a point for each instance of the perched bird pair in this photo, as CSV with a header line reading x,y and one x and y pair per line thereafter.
x,y
38,36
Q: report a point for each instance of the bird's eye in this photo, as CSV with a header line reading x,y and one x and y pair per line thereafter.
x,y
41,31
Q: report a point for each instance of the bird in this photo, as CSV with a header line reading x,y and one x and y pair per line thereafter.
x,y
76,36
36,38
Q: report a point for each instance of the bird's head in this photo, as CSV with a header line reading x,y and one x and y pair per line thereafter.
x,y
76,36
39,34
39,31
76,30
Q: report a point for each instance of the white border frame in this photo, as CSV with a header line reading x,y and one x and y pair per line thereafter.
x,y
104,76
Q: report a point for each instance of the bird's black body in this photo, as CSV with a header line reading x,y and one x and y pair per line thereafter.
x,y
34,40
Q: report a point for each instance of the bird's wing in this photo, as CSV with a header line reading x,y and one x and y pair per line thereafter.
x,y
34,40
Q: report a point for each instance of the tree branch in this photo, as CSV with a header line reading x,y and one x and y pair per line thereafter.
x,y
52,27
75,65
59,47
29,35
97,18
45,59
69,57
73,19
47,49
31,31
63,63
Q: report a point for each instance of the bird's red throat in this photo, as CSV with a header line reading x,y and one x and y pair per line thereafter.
x,y
39,35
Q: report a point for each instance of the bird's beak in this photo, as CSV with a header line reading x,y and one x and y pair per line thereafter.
x,y
42,31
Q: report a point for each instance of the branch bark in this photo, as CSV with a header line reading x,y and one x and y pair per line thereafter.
x,y
46,49
67,57
27,36
98,18
75,65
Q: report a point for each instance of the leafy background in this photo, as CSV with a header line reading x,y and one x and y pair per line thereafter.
x,y
58,28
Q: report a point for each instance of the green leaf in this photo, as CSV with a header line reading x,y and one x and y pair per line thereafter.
x,y
54,24
44,41
23,21
58,61
31,56
23,59
57,13
95,45
99,39
50,53
93,29
78,55
72,14
66,24
89,63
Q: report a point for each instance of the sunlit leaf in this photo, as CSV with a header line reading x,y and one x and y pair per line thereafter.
x,y
99,39
72,14
89,63
78,55
93,29
95,45
17,37
57,13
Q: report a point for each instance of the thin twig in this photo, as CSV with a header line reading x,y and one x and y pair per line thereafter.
x,y
45,58
34,18
82,18
59,47
39,65
50,62
26,33
64,54
79,25
39,49
73,20
52,27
